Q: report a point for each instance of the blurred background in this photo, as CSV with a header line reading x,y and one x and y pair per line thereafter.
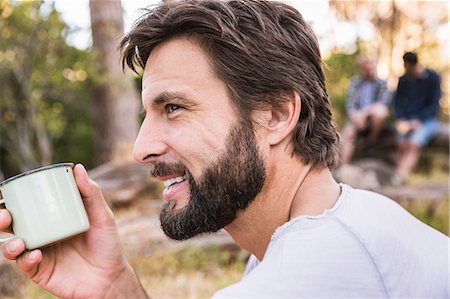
x,y
64,97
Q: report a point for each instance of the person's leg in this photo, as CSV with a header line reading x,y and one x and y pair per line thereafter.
x,y
348,143
402,146
359,120
379,114
408,159
410,149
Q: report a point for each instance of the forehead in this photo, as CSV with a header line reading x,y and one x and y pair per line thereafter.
x,y
180,60
180,67
367,62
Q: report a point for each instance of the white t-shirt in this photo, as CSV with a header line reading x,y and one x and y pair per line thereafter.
x,y
366,246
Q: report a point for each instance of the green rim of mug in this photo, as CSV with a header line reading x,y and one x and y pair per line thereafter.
x,y
36,170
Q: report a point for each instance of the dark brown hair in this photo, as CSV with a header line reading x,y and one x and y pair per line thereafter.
x,y
411,58
262,50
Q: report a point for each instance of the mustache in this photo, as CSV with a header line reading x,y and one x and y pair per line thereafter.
x,y
164,169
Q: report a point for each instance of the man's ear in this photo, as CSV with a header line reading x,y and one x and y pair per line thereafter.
x,y
282,120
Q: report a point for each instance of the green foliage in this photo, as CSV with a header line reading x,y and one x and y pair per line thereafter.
x,y
341,67
190,258
435,214
45,90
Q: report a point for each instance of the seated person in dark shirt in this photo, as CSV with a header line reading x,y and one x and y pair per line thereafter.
x,y
416,106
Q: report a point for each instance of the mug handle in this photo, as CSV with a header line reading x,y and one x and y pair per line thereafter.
x,y
2,240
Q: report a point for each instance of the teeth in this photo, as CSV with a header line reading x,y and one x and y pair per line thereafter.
x,y
172,181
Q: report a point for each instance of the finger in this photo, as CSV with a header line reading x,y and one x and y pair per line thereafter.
x,y
29,262
5,221
13,248
94,202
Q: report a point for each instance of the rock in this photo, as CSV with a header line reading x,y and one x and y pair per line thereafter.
x,y
122,183
441,140
425,192
140,234
367,173
383,149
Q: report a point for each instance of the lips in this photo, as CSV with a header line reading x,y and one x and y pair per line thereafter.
x,y
175,178
176,186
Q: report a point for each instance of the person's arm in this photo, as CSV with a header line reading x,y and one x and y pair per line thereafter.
x,y
127,286
397,106
384,95
352,97
90,265
431,108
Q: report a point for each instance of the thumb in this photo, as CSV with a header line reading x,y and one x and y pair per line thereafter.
x,y
98,212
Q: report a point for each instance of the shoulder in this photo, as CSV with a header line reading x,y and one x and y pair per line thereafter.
x,y
402,78
433,74
384,227
401,246
369,213
370,207
368,210
358,248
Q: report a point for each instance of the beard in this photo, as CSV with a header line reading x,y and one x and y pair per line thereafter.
x,y
226,187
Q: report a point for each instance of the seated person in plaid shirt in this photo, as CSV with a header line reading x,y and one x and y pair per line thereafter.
x,y
367,107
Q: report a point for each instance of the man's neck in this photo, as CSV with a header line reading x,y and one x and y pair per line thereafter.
x,y
368,77
289,192
418,71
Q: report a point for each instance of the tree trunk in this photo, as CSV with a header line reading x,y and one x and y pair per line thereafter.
x,y
116,101
393,25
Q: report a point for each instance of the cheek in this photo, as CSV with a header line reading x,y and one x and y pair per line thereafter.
x,y
196,148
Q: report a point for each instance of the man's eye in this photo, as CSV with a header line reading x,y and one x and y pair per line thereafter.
x,y
172,108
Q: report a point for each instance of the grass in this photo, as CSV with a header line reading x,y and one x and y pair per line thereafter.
x,y
188,273
432,169
434,213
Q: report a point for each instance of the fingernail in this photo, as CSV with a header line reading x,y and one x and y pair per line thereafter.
x,y
31,257
82,167
12,247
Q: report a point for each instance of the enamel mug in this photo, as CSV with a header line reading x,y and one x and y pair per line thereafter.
x,y
45,205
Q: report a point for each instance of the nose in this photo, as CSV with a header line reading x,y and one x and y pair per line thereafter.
x,y
149,145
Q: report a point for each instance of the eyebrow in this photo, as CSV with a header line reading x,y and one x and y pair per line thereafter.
x,y
167,96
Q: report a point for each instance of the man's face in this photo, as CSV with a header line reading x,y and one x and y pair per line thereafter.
x,y
368,69
206,156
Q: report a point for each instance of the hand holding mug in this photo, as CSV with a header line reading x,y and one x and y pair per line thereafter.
x,y
45,204
88,265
